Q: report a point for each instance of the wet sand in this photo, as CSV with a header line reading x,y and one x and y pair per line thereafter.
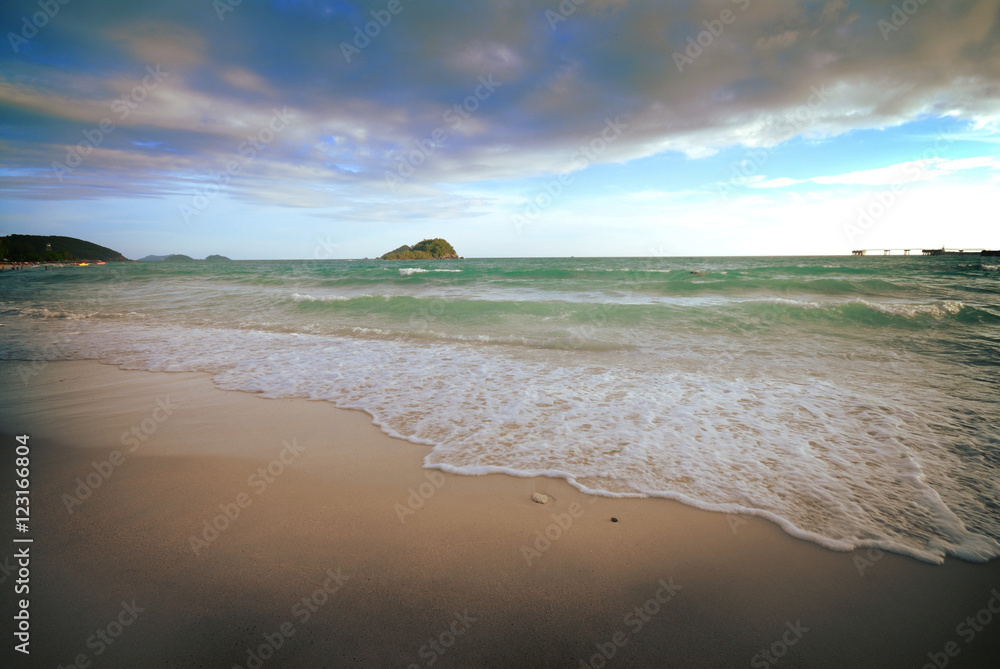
x,y
231,530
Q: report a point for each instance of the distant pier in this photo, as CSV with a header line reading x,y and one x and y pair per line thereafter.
x,y
929,252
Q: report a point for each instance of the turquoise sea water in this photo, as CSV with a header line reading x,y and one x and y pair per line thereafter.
x,y
854,401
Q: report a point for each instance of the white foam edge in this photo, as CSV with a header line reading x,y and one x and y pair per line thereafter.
x,y
956,549
786,525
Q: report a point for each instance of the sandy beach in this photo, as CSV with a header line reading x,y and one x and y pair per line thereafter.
x,y
178,525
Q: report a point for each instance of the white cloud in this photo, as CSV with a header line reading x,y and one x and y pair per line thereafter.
x,y
900,173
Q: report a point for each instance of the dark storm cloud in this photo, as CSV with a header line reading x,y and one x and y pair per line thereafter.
x,y
532,82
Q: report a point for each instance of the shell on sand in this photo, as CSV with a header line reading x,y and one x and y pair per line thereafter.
x,y
540,498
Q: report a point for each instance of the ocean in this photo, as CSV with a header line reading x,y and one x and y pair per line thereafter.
x,y
853,401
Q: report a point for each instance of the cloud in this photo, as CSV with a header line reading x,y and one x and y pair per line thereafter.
x,y
900,173
356,121
159,42
781,41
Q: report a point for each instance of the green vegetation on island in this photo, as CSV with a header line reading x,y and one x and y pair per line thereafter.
x,y
175,257
428,249
53,248
215,256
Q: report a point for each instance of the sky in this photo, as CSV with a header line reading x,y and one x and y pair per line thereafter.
x,y
339,129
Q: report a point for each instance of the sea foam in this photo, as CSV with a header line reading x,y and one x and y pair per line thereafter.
x,y
849,404
829,462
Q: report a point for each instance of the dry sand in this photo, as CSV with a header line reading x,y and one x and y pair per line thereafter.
x,y
449,587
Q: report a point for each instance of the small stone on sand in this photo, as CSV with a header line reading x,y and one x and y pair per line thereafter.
x,y
614,520
540,498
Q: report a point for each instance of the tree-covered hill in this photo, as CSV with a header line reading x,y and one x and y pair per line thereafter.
x,y
34,248
428,249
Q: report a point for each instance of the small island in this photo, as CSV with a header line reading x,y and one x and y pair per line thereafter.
x,y
174,257
428,249
54,248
